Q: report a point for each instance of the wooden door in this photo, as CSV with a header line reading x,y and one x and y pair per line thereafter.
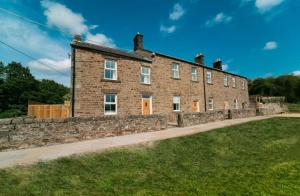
x,y
146,106
195,106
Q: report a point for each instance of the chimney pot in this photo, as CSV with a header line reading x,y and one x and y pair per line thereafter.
x,y
77,38
218,64
138,41
199,59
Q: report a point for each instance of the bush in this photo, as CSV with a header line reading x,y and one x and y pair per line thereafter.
x,y
11,113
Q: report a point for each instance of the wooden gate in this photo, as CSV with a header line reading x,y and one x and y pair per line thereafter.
x,y
40,110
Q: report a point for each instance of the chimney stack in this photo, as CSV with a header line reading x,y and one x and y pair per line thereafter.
x,y
199,59
218,64
77,38
138,41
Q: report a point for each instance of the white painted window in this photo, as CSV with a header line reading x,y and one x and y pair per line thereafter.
x,y
225,80
175,70
110,70
176,103
208,77
210,103
233,82
110,104
243,84
145,75
194,73
236,106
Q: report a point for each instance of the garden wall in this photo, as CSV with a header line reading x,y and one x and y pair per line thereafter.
x,y
20,133
190,119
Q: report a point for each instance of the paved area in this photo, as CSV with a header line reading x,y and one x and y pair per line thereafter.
x,y
29,156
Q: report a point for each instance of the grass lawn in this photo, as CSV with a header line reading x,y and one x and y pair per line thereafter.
x,y
256,158
293,107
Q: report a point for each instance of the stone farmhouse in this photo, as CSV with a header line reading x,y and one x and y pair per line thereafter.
x,y
109,81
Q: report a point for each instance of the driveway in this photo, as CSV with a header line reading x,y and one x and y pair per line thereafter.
x,y
29,156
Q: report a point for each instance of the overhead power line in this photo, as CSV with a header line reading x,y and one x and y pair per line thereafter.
x,y
32,58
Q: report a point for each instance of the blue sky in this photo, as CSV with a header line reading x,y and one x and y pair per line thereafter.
x,y
254,38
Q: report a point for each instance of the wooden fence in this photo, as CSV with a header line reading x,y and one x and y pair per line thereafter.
x,y
40,110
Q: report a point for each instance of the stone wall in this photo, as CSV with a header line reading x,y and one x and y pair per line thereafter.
x,y
20,133
191,119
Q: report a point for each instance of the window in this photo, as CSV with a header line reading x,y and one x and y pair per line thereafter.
x,y
236,106
110,104
243,84
175,70
176,103
145,75
233,82
210,103
194,74
208,76
225,80
110,70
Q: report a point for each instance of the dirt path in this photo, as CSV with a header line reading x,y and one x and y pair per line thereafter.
x,y
29,156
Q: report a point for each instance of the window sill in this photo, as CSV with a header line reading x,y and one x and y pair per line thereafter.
x,y
196,81
108,80
226,86
147,84
210,83
176,78
176,111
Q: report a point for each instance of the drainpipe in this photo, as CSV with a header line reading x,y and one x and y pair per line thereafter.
x,y
204,89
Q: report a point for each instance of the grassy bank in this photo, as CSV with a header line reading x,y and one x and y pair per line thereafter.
x,y
256,158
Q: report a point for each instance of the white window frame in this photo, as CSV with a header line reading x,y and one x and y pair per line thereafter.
x,y
178,110
175,71
209,77
243,85
234,82
115,70
146,75
225,80
210,104
236,104
194,74
116,103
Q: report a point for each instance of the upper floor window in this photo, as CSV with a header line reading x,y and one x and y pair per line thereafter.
x,y
210,103
236,106
145,75
110,70
225,80
194,73
233,82
243,85
209,78
175,70
176,103
110,104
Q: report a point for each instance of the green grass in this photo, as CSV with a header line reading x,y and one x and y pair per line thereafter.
x,y
294,107
256,158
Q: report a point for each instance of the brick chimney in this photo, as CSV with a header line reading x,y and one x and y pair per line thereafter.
x,y
218,64
77,38
138,41
199,59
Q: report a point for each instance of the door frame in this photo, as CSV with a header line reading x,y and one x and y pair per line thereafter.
x,y
150,97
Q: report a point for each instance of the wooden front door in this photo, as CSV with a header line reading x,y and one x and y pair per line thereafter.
x,y
195,106
146,106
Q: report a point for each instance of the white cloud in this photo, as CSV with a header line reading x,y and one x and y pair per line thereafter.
x,y
60,16
267,5
52,66
169,29
225,67
220,18
100,39
271,45
177,12
296,73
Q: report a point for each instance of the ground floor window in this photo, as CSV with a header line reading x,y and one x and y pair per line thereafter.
x,y
176,103
210,103
110,104
236,104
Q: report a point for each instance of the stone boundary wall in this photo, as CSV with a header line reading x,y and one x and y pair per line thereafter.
x,y
19,133
191,119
